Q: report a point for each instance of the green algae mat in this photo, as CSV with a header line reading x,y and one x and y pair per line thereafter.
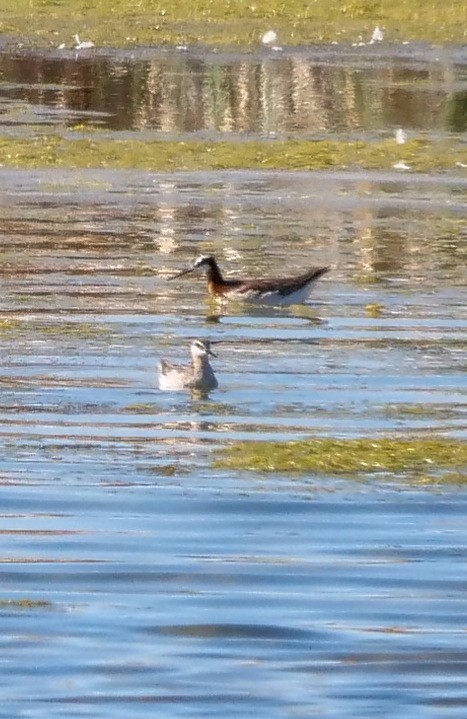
x,y
54,151
426,460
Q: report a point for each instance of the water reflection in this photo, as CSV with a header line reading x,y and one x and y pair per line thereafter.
x,y
289,95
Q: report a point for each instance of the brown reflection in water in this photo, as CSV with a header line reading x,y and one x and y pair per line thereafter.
x,y
406,246
280,95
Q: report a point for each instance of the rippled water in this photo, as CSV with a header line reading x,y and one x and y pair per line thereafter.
x,y
138,580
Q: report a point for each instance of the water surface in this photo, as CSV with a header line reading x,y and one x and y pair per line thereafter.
x,y
138,580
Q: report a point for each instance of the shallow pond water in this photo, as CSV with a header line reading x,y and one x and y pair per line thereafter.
x,y
139,580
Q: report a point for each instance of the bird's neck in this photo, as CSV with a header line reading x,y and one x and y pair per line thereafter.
x,y
214,274
200,364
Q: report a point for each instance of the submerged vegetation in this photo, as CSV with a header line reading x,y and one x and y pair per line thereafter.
x,y
55,151
24,604
425,459
120,23
73,330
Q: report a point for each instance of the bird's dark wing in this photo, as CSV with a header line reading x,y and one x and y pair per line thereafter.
x,y
282,285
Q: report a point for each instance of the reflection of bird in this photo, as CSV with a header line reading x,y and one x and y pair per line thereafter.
x,y
279,291
198,376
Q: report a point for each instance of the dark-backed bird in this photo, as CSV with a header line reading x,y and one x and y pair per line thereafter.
x,y
290,290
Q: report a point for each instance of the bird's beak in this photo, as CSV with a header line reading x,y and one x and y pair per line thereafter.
x,y
180,274
210,352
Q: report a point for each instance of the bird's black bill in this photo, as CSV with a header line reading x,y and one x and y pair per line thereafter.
x,y
180,274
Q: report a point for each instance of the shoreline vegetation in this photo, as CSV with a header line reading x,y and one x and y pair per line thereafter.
x,y
121,23
126,23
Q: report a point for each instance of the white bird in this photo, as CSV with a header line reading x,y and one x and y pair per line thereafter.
x,y
401,136
401,166
269,37
377,36
83,45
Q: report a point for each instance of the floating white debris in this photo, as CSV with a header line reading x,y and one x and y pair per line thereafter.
x,y
401,136
377,36
401,166
182,48
83,45
62,46
269,37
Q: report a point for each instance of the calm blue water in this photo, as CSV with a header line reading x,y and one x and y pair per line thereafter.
x,y
139,580
187,602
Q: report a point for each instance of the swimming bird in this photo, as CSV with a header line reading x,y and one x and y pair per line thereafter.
x,y
198,376
275,291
